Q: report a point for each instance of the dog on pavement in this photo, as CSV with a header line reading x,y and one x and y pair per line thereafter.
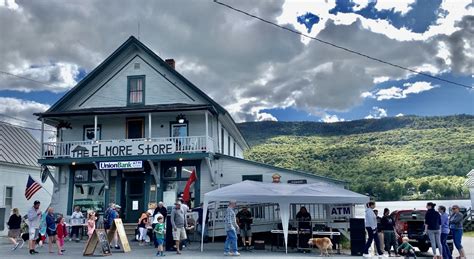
x,y
323,244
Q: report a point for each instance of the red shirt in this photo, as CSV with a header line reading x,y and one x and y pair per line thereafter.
x,y
61,230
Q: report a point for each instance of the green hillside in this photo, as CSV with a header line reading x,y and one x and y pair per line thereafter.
x,y
391,158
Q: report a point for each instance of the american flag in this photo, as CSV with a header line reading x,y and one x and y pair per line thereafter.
x,y
31,187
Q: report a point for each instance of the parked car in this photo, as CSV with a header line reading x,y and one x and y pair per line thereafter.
x,y
411,223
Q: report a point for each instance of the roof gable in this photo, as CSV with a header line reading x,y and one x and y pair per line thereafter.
x,y
97,87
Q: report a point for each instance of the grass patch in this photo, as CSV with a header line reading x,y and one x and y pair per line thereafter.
x,y
469,234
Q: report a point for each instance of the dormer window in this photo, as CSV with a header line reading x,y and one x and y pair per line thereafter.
x,y
136,90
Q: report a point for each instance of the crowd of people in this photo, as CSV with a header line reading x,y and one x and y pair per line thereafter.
x,y
437,226
381,231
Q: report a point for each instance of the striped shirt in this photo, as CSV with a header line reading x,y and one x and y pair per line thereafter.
x,y
230,222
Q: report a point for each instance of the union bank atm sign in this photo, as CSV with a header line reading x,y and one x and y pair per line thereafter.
x,y
123,148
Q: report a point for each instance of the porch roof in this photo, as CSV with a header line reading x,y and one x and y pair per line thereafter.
x,y
133,109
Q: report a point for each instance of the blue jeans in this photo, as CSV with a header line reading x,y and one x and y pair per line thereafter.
x,y
230,244
457,238
444,244
373,236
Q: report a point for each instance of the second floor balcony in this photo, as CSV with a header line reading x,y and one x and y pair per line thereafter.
x,y
128,147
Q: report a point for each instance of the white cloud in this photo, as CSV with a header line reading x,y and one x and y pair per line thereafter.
x,y
331,118
400,115
20,112
377,113
400,93
263,116
57,77
402,6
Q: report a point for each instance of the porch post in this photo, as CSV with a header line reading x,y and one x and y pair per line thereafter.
x,y
42,137
149,125
207,125
95,127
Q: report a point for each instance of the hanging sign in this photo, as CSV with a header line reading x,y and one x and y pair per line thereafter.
x,y
121,165
340,211
299,181
127,147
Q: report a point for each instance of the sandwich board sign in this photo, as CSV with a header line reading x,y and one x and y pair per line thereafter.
x,y
98,237
117,228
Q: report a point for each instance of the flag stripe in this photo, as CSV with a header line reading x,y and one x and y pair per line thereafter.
x,y
31,187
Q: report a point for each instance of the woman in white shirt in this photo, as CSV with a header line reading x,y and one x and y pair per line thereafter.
x,y
76,223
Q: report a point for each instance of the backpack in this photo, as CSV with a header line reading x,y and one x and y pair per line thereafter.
x,y
107,220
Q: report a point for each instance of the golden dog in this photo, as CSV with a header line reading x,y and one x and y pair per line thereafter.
x,y
323,244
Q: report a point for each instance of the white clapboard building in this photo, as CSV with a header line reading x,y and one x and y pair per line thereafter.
x,y
19,152
134,130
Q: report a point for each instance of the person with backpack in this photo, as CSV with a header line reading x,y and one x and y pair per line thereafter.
x,y
109,216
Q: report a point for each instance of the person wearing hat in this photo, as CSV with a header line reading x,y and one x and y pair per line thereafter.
x,y
276,178
34,218
433,228
178,223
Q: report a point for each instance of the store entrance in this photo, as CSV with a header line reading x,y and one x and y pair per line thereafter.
x,y
134,198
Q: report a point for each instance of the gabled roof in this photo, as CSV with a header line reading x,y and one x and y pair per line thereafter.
x,y
18,146
132,41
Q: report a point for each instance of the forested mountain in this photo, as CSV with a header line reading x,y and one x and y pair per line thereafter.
x,y
391,158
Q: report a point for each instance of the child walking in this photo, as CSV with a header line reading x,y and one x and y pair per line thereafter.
x,y
91,218
160,235
61,232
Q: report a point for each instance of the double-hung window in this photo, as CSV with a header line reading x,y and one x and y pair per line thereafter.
x,y
136,90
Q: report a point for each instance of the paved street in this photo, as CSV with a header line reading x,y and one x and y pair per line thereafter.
x,y
74,250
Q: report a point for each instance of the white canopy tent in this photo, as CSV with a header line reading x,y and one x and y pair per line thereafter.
x,y
283,195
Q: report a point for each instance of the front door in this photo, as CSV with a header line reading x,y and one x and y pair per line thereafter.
x,y
134,198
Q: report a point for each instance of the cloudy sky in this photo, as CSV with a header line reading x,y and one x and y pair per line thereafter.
x,y
271,74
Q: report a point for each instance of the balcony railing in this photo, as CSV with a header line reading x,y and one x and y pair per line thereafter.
x,y
128,147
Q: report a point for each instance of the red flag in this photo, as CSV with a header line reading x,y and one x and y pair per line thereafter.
x,y
191,180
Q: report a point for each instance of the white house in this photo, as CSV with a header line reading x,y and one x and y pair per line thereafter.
x,y
19,152
133,131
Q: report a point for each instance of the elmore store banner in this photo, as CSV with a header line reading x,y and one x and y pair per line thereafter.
x,y
123,148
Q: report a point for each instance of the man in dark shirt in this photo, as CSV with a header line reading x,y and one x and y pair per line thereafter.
x,y
244,220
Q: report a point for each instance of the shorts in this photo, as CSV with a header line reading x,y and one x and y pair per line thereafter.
x,y
33,233
245,232
160,241
179,234
14,233
50,233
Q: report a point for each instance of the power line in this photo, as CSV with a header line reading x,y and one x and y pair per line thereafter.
x,y
26,78
18,119
23,127
342,48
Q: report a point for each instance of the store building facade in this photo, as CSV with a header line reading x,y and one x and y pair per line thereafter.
x,y
134,130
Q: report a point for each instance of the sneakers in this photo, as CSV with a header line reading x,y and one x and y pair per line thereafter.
x,y
235,254
366,256
226,254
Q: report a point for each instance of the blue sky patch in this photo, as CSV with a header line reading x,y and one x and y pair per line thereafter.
x,y
308,20
419,18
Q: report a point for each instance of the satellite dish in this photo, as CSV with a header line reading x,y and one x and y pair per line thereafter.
x,y
44,174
